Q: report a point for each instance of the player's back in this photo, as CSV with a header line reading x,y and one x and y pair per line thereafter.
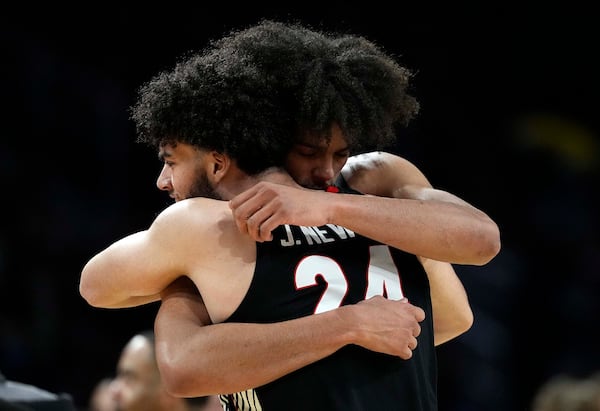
x,y
307,270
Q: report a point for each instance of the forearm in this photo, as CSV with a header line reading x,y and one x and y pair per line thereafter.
x,y
222,358
438,230
452,314
197,358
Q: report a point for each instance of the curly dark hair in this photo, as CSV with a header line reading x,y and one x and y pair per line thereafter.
x,y
256,91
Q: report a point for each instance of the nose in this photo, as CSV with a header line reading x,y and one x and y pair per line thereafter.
x,y
324,172
163,182
114,390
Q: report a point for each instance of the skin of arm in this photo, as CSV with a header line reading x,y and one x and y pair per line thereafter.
x,y
134,270
183,342
101,283
435,224
452,314
182,335
181,243
232,357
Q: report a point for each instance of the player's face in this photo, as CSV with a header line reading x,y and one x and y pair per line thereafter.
x,y
316,163
183,175
137,384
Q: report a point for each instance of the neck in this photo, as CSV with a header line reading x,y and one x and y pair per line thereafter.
x,y
237,181
275,175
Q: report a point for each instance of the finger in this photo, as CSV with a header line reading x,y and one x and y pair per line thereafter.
x,y
271,222
242,197
253,228
240,221
419,314
265,234
244,205
406,354
246,217
263,222
255,222
247,210
417,330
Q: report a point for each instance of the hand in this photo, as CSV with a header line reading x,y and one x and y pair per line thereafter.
x,y
260,209
387,326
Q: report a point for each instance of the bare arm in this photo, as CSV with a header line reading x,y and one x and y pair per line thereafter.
x,y
407,213
196,358
402,211
465,234
388,175
452,314
135,269
110,280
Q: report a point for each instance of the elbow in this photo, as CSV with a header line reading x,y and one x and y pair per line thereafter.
x,y
488,244
173,381
89,292
493,243
465,322
87,287
92,287
177,377
460,324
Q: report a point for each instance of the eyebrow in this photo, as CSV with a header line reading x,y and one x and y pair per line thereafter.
x,y
162,154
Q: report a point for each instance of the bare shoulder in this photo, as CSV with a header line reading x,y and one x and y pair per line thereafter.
x,y
381,173
194,205
376,162
192,215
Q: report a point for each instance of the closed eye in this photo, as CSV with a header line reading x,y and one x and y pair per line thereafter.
x,y
343,154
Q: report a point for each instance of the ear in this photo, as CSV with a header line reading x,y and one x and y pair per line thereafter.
x,y
218,166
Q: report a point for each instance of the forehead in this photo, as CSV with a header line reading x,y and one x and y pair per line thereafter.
x,y
137,356
170,150
335,142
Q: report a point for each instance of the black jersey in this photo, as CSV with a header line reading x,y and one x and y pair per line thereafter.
x,y
307,270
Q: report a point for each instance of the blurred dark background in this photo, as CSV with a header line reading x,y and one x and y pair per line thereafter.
x,y
509,122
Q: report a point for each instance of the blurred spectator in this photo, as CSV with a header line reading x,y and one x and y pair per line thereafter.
x,y
565,393
102,398
138,386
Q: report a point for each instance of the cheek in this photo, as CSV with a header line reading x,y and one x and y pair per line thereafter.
x,y
299,169
186,174
179,181
338,165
